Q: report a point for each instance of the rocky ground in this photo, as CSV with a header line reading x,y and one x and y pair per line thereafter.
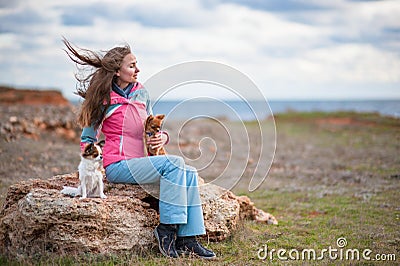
x,y
36,142
330,175
43,141
333,174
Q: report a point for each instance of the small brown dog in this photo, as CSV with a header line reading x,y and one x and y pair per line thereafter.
x,y
152,126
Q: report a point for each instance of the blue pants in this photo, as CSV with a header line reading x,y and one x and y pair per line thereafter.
x,y
179,197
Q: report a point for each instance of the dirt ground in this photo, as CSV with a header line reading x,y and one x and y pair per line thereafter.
x,y
324,175
328,153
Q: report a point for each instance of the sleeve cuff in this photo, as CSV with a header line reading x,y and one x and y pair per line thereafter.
x,y
165,133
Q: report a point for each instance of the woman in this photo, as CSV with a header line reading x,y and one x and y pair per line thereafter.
x,y
116,104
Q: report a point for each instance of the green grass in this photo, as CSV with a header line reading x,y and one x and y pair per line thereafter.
x,y
314,222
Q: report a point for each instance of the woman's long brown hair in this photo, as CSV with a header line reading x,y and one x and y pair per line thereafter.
x,y
95,87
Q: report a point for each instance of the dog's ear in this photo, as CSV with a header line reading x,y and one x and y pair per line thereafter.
x,y
88,148
101,143
161,117
149,118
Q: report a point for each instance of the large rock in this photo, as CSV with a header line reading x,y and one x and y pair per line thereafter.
x,y
37,219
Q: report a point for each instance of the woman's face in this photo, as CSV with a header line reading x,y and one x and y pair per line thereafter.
x,y
128,71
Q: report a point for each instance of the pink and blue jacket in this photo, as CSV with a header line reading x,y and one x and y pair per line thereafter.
x,y
123,126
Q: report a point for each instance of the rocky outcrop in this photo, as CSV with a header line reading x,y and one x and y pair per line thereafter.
x,y
11,96
37,219
18,121
30,113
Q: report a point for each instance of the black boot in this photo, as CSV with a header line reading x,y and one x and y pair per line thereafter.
x,y
165,235
190,246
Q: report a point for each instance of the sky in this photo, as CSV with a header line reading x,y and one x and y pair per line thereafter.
x,y
294,49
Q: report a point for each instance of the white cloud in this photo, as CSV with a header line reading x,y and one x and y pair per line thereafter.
x,y
288,54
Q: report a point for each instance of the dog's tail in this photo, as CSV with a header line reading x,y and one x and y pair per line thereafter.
x,y
71,191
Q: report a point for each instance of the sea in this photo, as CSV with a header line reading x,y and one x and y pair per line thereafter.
x,y
255,110
235,110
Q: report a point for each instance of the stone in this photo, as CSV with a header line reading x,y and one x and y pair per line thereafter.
x,y
36,219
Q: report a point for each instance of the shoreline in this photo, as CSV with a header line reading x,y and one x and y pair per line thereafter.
x,y
247,111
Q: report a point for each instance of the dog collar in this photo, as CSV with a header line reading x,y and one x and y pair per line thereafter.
x,y
149,134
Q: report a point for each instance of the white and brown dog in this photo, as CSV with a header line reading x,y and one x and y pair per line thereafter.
x,y
90,175
152,126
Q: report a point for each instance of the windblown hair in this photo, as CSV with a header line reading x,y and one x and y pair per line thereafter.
x,y
95,87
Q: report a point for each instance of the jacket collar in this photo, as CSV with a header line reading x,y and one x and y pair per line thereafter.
x,y
122,92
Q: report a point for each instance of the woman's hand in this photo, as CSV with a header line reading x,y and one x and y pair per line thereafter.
x,y
157,141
